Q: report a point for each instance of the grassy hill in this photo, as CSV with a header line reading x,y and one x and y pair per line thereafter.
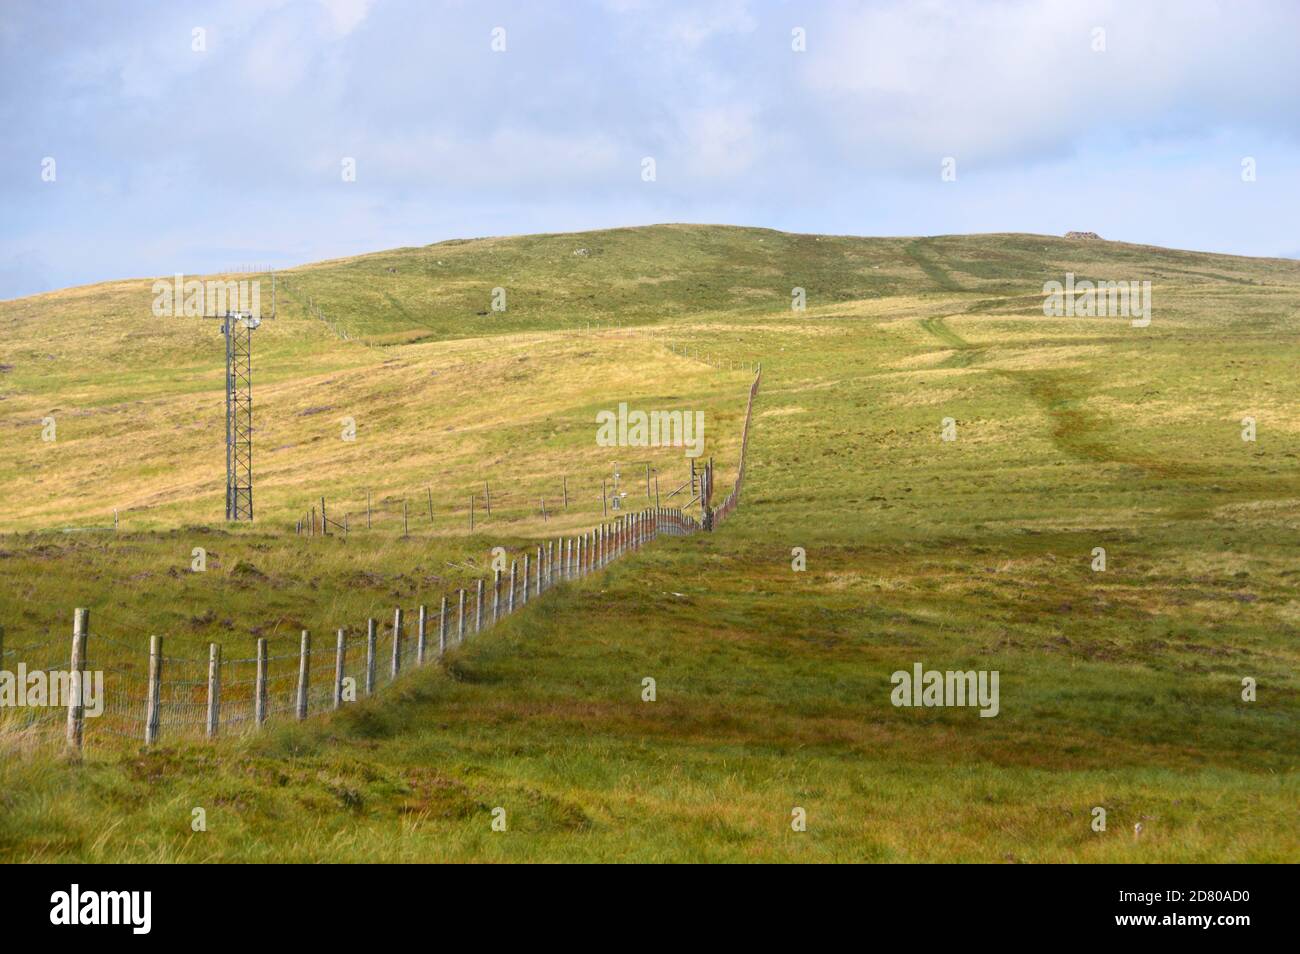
x,y
1119,688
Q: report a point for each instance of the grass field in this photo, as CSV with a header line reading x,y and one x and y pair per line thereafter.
x,y
1120,689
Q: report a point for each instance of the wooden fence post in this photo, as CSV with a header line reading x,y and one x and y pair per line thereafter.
x,y
406,526
537,571
442,629
421,623
304,672
471,513
429,491
487,498
527,567
460,616
510,600
259,691
565,482
154,691
604,499
496,594
340,664
214,689
397,642
478,605
76,701
372,646
324,523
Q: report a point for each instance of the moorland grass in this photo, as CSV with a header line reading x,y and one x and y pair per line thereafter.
x,y
1120,688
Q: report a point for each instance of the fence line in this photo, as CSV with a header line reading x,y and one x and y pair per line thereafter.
x,y
325,515
156,696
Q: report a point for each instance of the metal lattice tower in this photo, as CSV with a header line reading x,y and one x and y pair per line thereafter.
x,y
238,330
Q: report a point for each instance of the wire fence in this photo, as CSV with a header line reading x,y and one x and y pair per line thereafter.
x,y
157,695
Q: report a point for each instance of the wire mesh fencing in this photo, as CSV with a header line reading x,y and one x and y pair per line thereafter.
x,y
110,687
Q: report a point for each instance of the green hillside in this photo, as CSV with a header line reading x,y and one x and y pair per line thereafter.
x,y
1120,688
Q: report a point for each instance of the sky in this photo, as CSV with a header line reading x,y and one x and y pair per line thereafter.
x,y
145,139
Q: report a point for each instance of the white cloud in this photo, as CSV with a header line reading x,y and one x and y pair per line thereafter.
x,y
346,15
1012,81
